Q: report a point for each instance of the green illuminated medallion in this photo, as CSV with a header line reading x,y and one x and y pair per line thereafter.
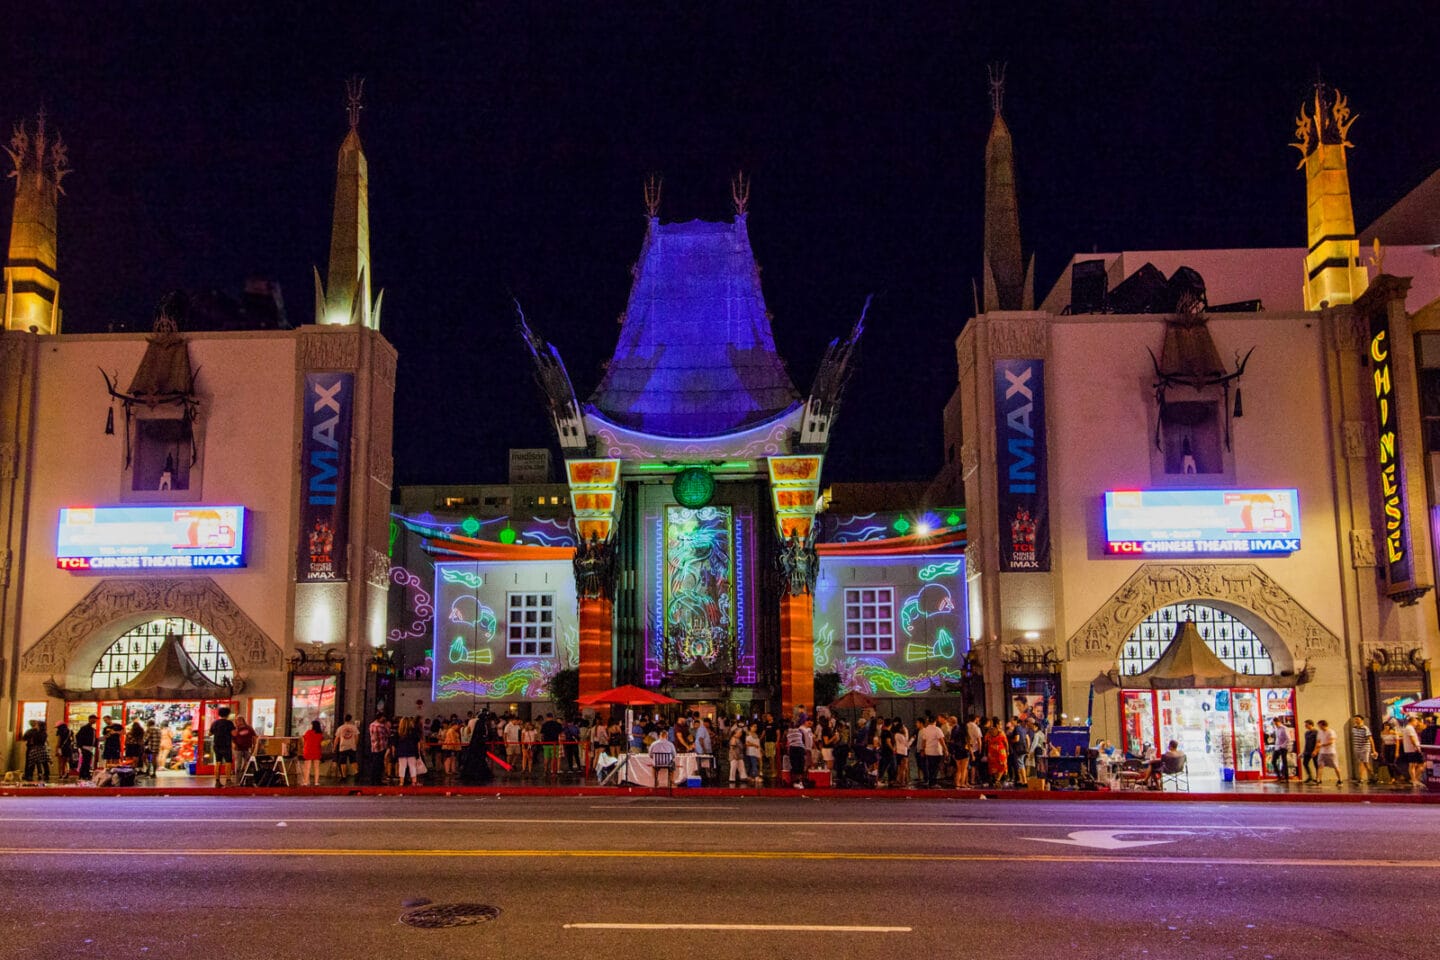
x,y
693,487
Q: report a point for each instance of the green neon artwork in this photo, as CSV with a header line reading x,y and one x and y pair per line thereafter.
x,y
901,525
521,682
465,578
460,653
507,536
942,649
693,487
394,536
934,571
470,525
824,641
953,519
933,600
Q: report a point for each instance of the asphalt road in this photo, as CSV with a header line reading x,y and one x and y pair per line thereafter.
x,y
318,878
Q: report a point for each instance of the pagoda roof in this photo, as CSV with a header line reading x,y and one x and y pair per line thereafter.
x,y
696,356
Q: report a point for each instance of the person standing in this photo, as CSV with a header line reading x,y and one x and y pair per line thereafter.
x,y
551,731
570,736
85,743
222,732
311,747
1280,751
932,750
901,740
1307,753
407,751
379,733
1326,754
799,741
152,748
347,742
37,752
960,751
65,750
704,749
996,754
244,743
1362,749
1410,753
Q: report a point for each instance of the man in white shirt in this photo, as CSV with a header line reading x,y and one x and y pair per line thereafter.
x,y
512,741
1410,753
1325,753
931,745
662,757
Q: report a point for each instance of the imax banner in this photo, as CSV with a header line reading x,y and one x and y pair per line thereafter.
x,y
1024,501
325,476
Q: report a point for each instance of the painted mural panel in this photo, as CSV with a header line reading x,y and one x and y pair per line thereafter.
x,y
700,581
892,626
502,630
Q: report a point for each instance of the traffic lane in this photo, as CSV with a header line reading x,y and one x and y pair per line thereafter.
x,y
1204,833
243,907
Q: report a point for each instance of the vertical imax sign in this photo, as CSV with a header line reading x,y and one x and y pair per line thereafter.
x,y
1023,499
325,476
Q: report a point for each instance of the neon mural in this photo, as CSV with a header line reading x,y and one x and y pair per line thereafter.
x,y
463,577
824,641
699,583
420,605
934,571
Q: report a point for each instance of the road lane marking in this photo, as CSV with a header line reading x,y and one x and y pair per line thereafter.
x,y
1110,839
795,855
784,927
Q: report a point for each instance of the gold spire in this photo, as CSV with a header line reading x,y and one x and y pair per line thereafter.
x,y
344,298
32,285
1333,271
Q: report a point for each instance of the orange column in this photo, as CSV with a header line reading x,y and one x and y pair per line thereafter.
x,y
597,642
797,653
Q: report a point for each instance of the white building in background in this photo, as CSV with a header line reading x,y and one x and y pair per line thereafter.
x,y
205,524
1235,437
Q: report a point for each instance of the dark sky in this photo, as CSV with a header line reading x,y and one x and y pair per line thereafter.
x,y
508,144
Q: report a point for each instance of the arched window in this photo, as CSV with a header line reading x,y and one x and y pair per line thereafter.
x,y
128,656
1233,641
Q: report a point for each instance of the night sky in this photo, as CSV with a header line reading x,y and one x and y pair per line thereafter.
x,y
508,145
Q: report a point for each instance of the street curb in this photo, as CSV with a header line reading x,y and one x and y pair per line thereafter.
x,y
712,793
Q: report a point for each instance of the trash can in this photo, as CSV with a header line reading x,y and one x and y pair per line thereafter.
x,y
1227,774
190,768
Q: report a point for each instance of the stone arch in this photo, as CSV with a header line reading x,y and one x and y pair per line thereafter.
x,y
70,648
1291,634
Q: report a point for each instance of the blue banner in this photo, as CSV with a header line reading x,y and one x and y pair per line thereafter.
x,y
325,477
1023,500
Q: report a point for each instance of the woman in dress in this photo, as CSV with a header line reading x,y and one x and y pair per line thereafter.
x,y
65,750
311,746
450,748
997,754
901,743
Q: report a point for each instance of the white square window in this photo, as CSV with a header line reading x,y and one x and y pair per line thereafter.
x,y
530,625
869,620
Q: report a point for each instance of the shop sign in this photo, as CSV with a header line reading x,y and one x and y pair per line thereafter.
x,y
1021,463
1202,522
325,477
150,538
1395,532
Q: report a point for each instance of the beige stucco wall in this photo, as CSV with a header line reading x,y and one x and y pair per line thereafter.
x,y
247,385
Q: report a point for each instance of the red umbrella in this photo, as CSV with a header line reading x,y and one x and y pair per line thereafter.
x,y
628,695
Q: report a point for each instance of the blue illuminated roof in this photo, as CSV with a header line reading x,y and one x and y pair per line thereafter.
x,y
696,357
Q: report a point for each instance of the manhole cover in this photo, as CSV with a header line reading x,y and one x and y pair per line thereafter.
x,y
450,915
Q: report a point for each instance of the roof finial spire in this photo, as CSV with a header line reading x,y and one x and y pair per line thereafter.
x,y
997,87
653,184
354,89
740,192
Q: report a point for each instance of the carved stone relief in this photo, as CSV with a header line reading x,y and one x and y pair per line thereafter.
x,y
382,467
1349,332
9,458
974,557
196,598
385,365
4,567
1357,439
330,351
1157,585
377,568
1019,338
1362,548
969,457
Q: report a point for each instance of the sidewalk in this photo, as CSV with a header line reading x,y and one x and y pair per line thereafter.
x,y
569,785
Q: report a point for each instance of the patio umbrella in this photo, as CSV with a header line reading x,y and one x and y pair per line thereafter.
x,y
628,695
1423,706
854,701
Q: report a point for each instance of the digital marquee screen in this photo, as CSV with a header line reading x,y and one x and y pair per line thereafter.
x,y
150,538
1202,522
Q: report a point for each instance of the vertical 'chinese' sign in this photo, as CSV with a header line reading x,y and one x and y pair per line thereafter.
x,y
325,476
1023,502
1395,525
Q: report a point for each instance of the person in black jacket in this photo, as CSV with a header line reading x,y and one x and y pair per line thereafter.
x,y
1307,753
85,742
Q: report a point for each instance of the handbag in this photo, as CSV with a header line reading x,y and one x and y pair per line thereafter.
x,y
420,766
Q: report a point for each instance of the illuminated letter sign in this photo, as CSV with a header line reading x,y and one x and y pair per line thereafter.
x,y
150,538
1212,523
325,476
1023,502
1395,525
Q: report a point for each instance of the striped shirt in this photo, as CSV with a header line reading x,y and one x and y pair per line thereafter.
x,y
1360,738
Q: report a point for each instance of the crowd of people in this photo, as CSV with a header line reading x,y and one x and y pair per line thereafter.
x,y
1396,758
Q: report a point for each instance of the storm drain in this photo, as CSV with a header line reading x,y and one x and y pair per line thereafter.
x,y
438,915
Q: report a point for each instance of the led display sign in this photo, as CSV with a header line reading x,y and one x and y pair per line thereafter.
x,y
150,538
1201,522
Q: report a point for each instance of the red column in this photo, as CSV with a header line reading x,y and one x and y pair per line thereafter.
x,y
597,641
797,653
